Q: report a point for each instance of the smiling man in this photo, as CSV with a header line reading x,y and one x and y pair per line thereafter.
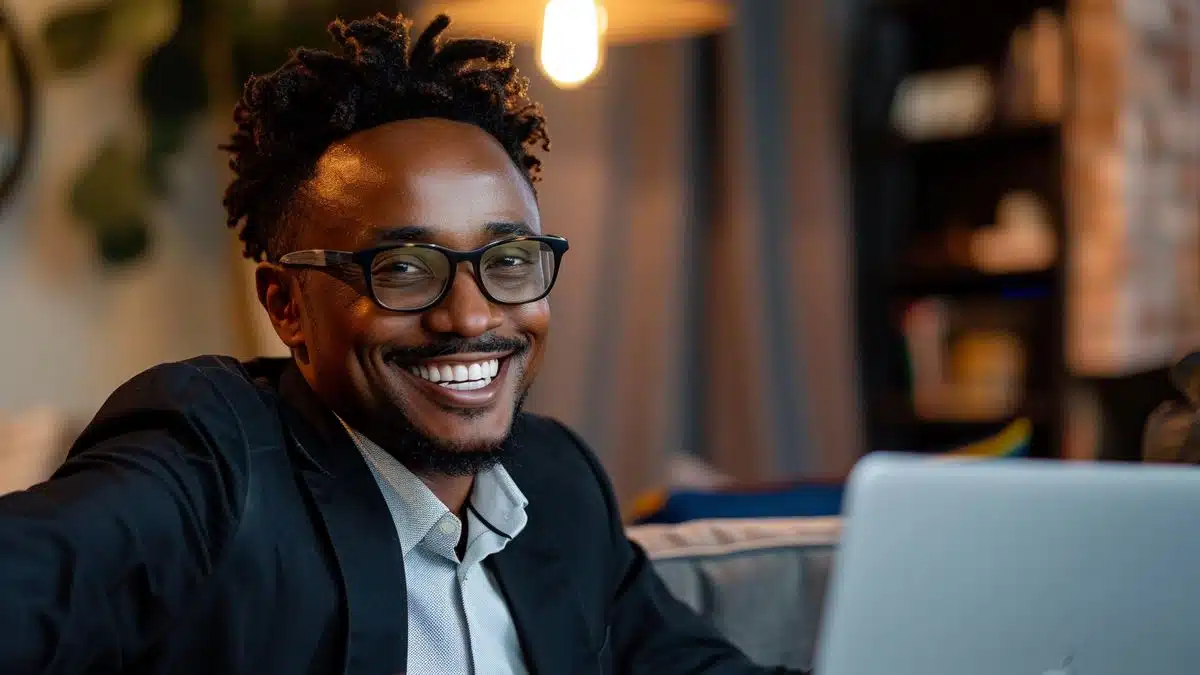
x,y
376,504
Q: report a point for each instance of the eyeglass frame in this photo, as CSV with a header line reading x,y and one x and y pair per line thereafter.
x,y
319,258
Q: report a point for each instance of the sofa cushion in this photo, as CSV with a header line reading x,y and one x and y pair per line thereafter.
x,y
762,582
808,500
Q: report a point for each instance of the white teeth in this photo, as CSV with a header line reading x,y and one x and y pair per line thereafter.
x,y
468,386
460,376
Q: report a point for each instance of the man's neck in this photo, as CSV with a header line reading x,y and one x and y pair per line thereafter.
x,y
453,491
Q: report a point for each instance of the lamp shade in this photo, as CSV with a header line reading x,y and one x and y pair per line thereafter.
x,y
628,21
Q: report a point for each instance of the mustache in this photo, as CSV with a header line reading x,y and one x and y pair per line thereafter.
x,y
483,344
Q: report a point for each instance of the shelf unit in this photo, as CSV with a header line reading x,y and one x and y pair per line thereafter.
x,y
909,193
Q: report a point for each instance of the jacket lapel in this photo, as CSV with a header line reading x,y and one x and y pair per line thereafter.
x,y
536,582
360,528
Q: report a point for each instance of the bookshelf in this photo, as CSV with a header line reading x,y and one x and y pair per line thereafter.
x,y
958,185
1075,121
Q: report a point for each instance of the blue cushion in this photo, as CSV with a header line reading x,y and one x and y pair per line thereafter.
x,y
808,500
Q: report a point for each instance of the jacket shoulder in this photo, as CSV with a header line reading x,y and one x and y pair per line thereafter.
x,y
553,458
548,439
211,397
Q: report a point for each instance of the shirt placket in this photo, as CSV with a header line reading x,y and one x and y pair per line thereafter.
x,y
449,530
463,574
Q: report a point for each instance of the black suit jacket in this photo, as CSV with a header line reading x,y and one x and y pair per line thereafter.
x,y
216,519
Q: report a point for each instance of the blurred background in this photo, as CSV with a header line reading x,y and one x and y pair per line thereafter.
x,y
801,230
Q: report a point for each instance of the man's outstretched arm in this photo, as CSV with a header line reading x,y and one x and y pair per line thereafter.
x,y
96,562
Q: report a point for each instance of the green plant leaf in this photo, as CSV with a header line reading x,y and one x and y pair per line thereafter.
x,y
173,90
124,244
172,81
168,133
110,190
261,42
109,197
143,24
77,38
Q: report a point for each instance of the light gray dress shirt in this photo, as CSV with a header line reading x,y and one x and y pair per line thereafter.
x,y
458,621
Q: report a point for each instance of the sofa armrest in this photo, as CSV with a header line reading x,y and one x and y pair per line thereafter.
x,y
762,582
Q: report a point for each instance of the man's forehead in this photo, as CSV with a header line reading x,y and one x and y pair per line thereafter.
x,y
420,145
390,184
347,179
343,174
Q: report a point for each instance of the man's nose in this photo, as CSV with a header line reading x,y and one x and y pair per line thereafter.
x,y
464,311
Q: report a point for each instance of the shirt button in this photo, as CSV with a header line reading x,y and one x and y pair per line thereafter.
x,y
447,527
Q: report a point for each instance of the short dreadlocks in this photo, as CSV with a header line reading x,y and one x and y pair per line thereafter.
x,y
287,119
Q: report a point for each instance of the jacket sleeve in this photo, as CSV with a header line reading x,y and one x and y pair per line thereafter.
x,y
652,632
96,562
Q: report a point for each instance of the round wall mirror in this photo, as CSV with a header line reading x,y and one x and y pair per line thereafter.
x,y
16,107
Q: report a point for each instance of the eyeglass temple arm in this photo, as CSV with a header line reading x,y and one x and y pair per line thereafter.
x,y
317,257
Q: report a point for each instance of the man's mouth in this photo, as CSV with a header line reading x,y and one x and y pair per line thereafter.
x,y
459,376
462,374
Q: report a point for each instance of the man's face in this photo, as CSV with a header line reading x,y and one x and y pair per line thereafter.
x,y
430,181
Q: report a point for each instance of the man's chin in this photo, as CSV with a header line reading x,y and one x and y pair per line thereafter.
x,y
467,445
456,461
466,425
457,442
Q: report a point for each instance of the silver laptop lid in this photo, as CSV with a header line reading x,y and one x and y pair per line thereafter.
x,y
1015,567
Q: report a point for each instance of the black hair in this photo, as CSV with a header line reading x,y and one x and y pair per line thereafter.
x,y
287,119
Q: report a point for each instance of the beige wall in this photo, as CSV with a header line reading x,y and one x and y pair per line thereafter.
x,y
72,332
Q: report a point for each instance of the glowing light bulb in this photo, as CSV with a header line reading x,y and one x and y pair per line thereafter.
x,y
570,48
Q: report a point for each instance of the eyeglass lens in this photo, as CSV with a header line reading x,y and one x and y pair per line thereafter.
x,y
412,278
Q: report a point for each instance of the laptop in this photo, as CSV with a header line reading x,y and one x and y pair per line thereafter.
x,y
1015,567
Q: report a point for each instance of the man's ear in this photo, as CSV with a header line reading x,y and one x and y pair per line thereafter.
x,y
277,296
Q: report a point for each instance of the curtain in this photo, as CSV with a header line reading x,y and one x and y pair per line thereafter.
x,y
705,307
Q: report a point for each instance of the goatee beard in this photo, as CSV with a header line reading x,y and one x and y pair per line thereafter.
x,y
428,456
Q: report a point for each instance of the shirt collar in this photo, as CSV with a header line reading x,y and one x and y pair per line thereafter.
x,y
495,499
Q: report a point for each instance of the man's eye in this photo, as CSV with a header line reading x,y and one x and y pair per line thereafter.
x,y
508,257
509,266
403,268
511,261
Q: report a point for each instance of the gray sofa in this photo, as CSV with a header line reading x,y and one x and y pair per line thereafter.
x,y
762,582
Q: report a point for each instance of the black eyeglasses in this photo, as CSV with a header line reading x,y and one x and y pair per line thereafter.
x,y
412,277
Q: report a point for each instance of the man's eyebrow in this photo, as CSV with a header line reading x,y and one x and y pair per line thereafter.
x,y
515,229
421,233
407,233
